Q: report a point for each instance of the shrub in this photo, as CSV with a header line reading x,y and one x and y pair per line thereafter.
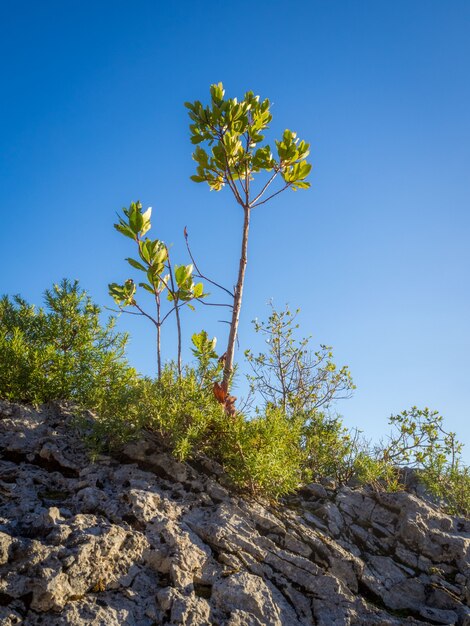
x,y
329,449
302,385
451,485
61,352
376,472
419,440
263,454
185,415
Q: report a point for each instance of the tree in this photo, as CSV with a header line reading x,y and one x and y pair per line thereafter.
x,y
290,375
234,153
154,261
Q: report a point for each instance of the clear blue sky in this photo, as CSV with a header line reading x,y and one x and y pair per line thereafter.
x,y
376,253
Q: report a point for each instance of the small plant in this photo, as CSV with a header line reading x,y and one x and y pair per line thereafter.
x,y
289,375
209,364
175,285
418,440
376,472
233,133
186,416
330,449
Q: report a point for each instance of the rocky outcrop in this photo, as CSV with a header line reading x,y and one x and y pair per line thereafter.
x,y
144,540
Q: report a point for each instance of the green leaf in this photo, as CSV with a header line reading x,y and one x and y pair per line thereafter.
x,y
135,217
146,225
124,230
198,290
146,287
183,273
136,264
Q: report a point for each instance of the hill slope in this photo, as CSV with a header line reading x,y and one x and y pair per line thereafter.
x,y
145,540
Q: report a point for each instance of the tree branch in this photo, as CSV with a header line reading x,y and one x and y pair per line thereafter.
x,y
253,206
200,274
276,172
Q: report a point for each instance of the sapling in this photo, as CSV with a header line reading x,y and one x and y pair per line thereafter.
x,y
208,361
290,375
232,132
162,279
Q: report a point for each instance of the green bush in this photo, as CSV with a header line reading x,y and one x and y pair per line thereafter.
x,y
263,454
303,384
419,440
376,472
451,485
289,374
329,449
61,352
185,415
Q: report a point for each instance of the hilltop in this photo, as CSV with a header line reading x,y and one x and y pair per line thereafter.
x,y
141,539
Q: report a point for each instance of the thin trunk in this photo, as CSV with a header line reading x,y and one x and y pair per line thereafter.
x,y
229,357
159,358
159,351
177,313
178,325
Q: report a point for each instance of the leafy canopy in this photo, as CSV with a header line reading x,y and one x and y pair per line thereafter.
x,y
233,133
153,262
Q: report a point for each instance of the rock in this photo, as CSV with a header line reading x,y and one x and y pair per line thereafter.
x,y
142,539
255,597
5,544
314,490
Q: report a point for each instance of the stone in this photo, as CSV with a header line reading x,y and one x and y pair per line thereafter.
x,y
142,539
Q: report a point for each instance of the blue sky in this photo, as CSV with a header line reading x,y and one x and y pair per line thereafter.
x,y
376,253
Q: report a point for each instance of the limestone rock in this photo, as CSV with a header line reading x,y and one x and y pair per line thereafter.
x,y
143,540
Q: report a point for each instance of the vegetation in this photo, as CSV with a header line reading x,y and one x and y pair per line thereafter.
x,y
419,441
61,351
292,436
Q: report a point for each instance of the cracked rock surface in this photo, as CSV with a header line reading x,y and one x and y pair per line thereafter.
x,y
144,540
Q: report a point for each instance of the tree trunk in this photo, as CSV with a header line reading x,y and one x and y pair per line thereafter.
x,y
178,326
237,303
177,313
159,349
159,357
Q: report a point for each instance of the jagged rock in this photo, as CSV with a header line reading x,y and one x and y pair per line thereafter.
x,y
144,540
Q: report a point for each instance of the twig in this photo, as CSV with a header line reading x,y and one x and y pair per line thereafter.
x,y
253,206
200,274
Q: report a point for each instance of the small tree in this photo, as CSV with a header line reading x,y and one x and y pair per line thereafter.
x,y
161,278
233,134
289,375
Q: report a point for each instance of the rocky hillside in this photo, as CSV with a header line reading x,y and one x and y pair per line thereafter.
x,y
144,540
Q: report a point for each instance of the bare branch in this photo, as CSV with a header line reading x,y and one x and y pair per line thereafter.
x,y
253,206
230,306
200,274
261,193
145,314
